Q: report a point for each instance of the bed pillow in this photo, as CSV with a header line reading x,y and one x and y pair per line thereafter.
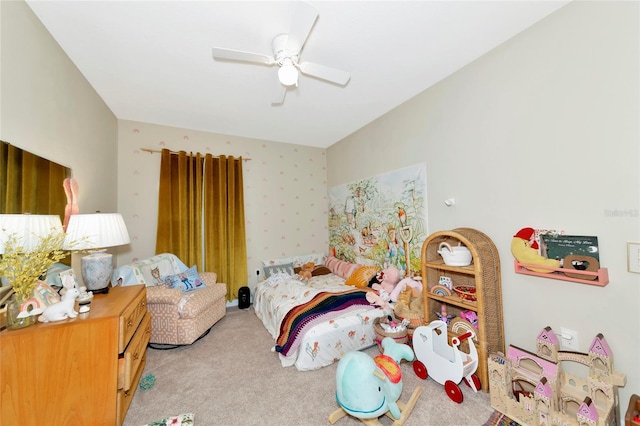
x,y
286,268
186,281
360,277
340,267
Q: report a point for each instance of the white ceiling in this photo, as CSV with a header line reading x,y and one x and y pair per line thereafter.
x,y
151,61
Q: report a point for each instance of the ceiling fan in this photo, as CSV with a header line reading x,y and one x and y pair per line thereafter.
x,y
286,54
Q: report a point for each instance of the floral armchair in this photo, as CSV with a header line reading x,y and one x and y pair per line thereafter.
x,y
179,316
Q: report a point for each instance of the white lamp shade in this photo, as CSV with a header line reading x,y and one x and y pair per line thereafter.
x,y
96,231
28,229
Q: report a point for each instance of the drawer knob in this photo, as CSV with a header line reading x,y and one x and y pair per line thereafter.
x,y
136,356
129,323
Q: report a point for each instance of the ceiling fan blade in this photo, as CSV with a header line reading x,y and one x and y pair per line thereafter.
x,y
303,20
220,53
325,73
278,94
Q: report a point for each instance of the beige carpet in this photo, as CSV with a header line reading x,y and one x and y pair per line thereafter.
x,y
230,377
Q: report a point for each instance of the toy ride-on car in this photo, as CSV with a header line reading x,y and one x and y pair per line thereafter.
x,y
445,364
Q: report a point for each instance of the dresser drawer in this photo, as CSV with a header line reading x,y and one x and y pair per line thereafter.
x,y
130,361
124,398
130,319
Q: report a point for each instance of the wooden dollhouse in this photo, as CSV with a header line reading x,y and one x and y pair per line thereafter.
x,y
534,389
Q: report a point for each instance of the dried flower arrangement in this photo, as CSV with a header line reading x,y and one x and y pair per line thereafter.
x,y
23,269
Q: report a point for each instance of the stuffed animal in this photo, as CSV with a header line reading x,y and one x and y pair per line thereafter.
x,y
400,287
525,249
387,278
410,305
379,297
306,270
384,284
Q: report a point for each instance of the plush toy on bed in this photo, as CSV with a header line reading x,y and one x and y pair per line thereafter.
x,y
384,284
306,270
387,278
380,298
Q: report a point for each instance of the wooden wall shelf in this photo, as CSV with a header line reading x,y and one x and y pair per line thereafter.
x,y
601,280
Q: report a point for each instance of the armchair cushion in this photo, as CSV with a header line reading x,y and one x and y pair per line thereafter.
x,y
186,281
163,295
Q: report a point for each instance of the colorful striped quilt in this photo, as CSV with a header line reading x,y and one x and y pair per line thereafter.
x,y
323,307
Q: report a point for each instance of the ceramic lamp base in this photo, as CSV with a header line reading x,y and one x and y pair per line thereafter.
x,y
96,271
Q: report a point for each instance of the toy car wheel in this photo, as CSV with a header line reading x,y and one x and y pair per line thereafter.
x,y
453,391
476,382
420,370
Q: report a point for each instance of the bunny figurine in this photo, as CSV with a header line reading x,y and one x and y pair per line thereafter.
x,y
64,308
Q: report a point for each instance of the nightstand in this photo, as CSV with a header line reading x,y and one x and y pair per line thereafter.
x,y
77,371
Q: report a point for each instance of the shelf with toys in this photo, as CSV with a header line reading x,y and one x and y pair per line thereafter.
x,y
458,290
575,267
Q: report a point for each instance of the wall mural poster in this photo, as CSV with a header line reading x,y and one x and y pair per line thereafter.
x,y
381,220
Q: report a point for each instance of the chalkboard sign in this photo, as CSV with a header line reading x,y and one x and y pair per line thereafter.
x,y
560,246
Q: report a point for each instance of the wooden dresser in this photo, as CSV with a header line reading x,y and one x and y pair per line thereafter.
x,y
81,371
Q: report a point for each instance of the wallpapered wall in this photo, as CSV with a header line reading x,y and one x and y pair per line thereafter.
x,y
285,190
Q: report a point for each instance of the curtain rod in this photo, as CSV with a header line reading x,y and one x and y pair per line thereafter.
x,y
151,151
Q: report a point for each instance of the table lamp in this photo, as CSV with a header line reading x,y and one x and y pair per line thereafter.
x,y
28,230
94,233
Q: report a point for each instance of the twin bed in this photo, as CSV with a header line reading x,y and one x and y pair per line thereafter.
x,y
315,322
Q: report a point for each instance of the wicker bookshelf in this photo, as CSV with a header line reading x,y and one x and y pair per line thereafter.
x,y
483,274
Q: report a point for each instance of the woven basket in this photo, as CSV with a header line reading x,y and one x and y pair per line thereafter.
x,y
402,312
399,337
415,321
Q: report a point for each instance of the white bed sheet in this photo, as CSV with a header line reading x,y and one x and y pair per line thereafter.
x,y
324,343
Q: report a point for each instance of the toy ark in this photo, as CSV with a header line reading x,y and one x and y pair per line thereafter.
x,y
533,389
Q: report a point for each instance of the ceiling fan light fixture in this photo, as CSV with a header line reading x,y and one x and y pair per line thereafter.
x,y
288,74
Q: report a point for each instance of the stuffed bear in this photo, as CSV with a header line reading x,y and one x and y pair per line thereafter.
x,y
306,270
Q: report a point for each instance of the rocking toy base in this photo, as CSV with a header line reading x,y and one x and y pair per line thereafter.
x,y
405,411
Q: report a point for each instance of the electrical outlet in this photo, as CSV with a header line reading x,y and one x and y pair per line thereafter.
x,y
569,339
633,257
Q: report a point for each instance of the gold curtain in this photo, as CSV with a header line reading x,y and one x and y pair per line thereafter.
x,y
197,194
180,207
30,184
226,250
